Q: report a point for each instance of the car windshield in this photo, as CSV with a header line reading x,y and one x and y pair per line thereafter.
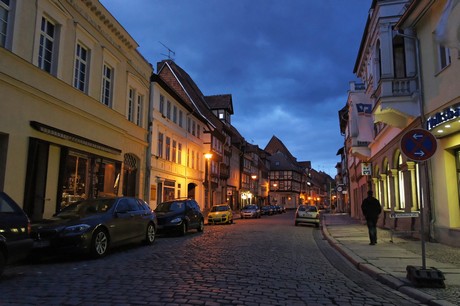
x,y
311,209
250,207
170,206
87,207
219,208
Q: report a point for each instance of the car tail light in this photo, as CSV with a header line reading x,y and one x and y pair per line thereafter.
x,y
29,228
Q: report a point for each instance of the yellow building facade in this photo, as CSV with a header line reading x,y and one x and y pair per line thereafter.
x,y
74,106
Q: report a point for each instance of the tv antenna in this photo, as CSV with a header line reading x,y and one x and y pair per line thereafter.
x,y
170,54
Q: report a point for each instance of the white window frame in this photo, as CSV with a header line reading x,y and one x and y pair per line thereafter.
x,y
131,97
47,57
444,58
107,84
6,26
81,63
140,110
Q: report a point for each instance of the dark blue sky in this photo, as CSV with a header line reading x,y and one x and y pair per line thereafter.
x,y
287,63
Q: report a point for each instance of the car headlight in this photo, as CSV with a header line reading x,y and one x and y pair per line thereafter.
x,y
176,220
79,228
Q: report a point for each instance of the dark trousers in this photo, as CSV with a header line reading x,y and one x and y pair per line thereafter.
x,y
372,228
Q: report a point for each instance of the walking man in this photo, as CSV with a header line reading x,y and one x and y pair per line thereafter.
x,y
371,210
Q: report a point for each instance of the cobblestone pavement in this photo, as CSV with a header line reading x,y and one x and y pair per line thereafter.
x,y
265,261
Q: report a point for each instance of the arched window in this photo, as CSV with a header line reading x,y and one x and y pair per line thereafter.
x,y
402,201
388,190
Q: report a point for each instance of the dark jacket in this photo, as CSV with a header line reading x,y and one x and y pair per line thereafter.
x,y
371,208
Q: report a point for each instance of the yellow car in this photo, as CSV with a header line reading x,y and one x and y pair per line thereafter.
x,y
220,214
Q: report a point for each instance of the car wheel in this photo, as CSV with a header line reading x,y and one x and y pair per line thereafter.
x,y
183,229
150,234
201,226
99,243
2,262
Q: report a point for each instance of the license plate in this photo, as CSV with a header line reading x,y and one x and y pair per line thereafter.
x,y
41,244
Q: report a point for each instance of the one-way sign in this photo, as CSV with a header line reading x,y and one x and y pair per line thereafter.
x,y
418,144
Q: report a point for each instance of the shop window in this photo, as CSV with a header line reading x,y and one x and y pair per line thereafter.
x,y
388,190
457,161
88,176
169,190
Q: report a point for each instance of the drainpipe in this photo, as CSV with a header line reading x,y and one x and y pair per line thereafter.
x,y
148,155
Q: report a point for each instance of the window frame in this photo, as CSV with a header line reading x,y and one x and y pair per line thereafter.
x,y
47,55
81,62
107,84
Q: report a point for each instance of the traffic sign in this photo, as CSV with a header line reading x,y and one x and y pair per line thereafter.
x,y
418,144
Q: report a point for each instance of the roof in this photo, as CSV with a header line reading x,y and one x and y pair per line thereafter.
x,y
276,145
220,102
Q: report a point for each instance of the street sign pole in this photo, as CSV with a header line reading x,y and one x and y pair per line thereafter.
x,y
420,145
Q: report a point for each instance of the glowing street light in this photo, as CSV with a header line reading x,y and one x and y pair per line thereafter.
x,y
208,157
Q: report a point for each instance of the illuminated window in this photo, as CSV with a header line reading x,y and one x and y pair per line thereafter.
x,y
402,200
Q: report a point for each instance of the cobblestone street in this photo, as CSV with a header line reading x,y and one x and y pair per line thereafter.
x,y
265,261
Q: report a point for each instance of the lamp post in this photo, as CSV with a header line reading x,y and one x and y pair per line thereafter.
x,y
208,157
254,178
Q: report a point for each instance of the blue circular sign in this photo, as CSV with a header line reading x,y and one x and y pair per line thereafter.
x,y
418,144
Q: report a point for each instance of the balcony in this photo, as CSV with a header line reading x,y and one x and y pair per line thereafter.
x,y
360,149
397,101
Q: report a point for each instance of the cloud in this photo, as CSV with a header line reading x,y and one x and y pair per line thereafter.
x,y
286,63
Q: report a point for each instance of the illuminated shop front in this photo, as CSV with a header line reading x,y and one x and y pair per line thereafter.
x,y
58,175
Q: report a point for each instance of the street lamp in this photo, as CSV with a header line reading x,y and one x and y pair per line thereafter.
x,y
208,157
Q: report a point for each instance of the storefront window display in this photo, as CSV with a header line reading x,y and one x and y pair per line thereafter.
x,y
89,176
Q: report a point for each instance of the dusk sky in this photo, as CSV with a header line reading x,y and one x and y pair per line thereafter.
x,y
286,63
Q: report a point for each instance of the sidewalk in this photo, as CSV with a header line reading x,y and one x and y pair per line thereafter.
x,y
387,261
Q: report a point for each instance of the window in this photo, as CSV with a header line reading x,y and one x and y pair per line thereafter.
x,y
131,105
174,151
81,68
46,49
402,200
389,195
179,153
193,160
444,57
175,114
168,109
5,9
189,125
140,110
198,131
107,80
162,105
180,118
168,149
193,128
160,144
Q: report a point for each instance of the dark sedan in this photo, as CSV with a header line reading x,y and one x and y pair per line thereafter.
x,y
15,241
94,226
179,216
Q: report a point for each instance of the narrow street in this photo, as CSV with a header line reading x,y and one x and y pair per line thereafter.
x,y
266,261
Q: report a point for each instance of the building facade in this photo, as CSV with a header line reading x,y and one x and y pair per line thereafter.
x,y
435,24
75,100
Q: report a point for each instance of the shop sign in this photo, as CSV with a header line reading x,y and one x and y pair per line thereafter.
x,y
366,169
447,114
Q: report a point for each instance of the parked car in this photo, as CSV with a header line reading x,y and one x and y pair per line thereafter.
x,y
179,216
307,214
221,213
267,210
250,211
15,241
95,225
